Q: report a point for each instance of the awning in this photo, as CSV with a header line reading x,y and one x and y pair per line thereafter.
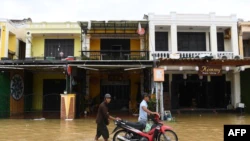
x,y
112,27
56,65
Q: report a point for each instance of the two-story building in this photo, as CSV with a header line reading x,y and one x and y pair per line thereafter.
x,y
86,58
12,46
200,55
244,47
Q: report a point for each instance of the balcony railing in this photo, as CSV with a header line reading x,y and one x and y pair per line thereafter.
x,y
225,55
193,54
115,55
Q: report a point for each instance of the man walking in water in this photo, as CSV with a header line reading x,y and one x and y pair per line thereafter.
x,y
144,111
102,119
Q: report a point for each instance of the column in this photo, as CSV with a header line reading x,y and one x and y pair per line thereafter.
x,y
241,43
235,96
170,88
151,39
87,82
142,82
17,48
213,40
6,47
174,38
68,108
87,44
207,42
28,45
234,40
83,44
142,47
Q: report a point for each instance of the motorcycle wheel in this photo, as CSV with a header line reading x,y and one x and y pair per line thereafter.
x,y
120,133
169,134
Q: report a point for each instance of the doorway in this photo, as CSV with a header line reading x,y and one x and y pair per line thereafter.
x,y
52,88
117,54
120,92
115,49
199,93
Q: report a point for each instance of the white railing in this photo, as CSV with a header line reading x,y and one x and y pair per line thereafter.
x,y
225,55
183,54
161,54
194,54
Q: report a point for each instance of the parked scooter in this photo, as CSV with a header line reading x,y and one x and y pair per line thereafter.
x,y
133,131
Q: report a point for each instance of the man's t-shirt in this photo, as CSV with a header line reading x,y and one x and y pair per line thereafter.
x,y
143,114
103,114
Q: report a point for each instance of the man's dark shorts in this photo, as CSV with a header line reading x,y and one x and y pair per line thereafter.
x,y
102,130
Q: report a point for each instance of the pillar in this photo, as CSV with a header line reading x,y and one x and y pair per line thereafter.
x,y
6,47
241,43
28,45
236,93
234,39
87,44
151,39
213,40
68,107
174,38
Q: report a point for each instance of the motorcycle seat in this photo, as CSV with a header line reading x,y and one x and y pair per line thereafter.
x,y
136,125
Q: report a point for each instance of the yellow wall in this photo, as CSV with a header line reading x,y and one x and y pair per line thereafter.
x,y
94,85
135,45
38,44
77,46
12,43
38,87
3,34
134,79
95,44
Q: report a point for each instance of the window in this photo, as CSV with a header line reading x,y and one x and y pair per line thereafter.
x,y
161,41
188,41
220,42
53,48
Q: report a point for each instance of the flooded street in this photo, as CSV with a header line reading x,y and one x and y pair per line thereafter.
x,y
196,127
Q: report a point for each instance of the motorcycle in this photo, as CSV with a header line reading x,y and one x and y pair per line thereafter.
x,y
133,131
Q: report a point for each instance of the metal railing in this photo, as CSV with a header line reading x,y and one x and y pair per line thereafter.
x,y
115,55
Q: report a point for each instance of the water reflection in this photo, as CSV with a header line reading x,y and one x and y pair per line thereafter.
x,y
187,127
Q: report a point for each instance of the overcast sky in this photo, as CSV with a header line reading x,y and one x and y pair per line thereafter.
x,y
80,10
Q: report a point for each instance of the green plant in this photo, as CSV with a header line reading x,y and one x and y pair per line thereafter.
x,y
85,58
152,104
143,58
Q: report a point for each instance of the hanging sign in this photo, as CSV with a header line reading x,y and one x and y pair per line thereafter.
x,y
159,74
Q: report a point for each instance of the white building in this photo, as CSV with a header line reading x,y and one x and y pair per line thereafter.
x,y
181,39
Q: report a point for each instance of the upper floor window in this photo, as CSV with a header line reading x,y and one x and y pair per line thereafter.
x,y
246,47
191,41
59,48
220,42
161,41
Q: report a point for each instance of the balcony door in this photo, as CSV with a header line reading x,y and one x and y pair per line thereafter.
x,y
115,49
191,41
117,54
59,48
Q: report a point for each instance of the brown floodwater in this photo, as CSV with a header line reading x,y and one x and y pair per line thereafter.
x,y
206,127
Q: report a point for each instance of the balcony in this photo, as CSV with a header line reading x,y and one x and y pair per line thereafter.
x,y
114,55
193,54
